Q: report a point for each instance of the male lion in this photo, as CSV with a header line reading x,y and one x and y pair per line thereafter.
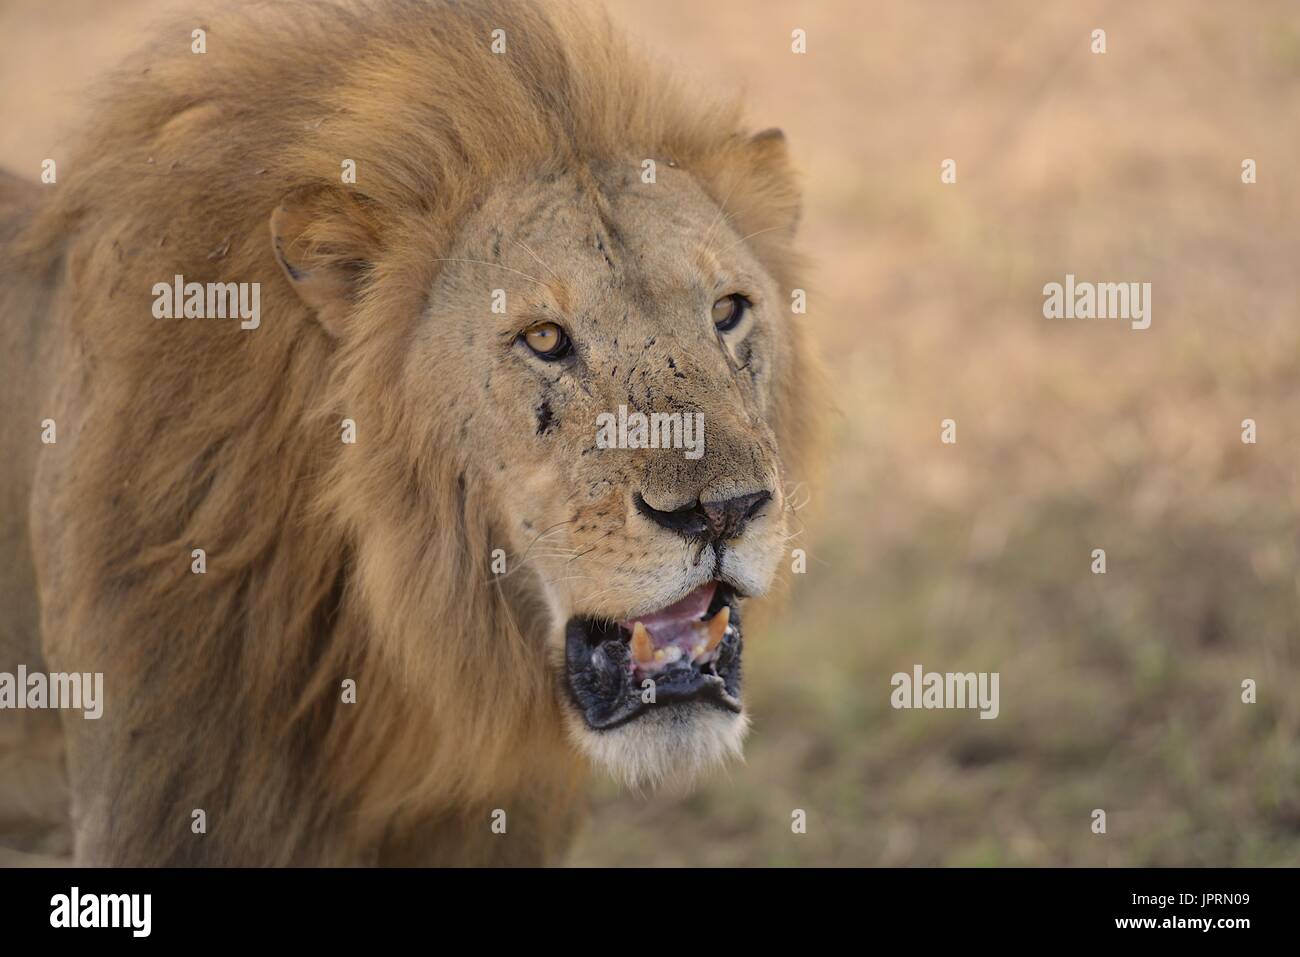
x,y
358,574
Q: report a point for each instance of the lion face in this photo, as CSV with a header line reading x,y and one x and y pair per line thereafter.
x,y
623,342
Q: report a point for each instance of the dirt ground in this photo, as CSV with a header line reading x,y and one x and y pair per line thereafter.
x,y
1120,691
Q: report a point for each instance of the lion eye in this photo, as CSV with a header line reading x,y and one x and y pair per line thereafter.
x,y
548,340
728,311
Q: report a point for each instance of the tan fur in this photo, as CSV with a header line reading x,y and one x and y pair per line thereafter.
x,y
371,561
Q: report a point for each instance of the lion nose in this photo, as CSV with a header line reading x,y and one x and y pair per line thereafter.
x,y
719,521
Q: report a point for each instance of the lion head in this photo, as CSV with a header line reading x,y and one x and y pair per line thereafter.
x,y
624,403
552,304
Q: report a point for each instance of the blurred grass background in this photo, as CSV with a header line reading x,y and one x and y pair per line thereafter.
x,y
1119,691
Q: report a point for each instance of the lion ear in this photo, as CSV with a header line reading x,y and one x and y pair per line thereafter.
x,y
323,239
767,201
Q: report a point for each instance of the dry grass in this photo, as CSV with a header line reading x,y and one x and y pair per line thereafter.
x,y
1119,691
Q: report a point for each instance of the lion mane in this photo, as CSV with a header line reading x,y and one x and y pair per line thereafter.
x,y
326,561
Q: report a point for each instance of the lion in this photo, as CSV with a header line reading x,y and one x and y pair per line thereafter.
x,y
364,584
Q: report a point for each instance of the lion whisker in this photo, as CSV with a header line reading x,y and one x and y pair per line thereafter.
x,y
484,262
752,235
722,209
588,551
538,258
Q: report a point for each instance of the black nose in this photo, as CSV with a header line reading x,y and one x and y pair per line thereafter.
x,y
708,521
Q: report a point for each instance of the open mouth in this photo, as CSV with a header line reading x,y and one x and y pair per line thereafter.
x,y
689,650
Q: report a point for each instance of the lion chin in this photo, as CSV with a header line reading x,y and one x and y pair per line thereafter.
x,y
668,748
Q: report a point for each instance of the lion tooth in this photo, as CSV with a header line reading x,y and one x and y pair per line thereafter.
x,y
718,628
643,649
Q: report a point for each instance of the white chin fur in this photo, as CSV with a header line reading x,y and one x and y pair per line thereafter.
x,y
665,746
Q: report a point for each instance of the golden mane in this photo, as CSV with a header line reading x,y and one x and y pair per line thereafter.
x,y
202,435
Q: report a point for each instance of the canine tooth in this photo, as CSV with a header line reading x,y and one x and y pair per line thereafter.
x,y
718,628
643,650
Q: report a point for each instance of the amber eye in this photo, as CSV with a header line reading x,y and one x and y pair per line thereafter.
x,y
728,311
548,340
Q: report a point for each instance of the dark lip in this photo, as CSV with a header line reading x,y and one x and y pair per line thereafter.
x,y
603,687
